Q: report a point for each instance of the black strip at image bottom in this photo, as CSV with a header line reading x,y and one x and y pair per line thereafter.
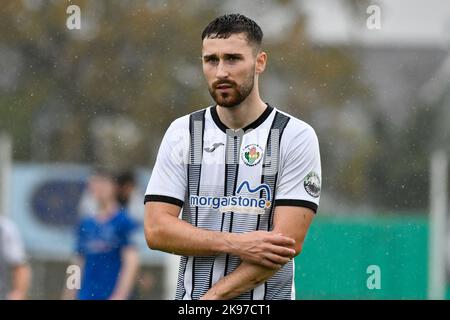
x,y
178,309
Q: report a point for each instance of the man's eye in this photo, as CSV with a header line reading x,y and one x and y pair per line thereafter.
x,y
212,60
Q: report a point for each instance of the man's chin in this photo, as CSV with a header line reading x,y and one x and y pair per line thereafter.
x,y
227,103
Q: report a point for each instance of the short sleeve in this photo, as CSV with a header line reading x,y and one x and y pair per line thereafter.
x,y
168,179
13,247
300,177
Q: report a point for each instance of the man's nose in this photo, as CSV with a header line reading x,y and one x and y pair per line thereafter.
x,y
221,70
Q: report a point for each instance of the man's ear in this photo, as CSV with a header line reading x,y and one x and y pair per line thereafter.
x,y
261,60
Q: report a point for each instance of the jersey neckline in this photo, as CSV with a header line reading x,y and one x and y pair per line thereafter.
x,y
222,126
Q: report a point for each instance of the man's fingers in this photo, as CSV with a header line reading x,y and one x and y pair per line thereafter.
x,y
282,251
269,264
281,240
277,259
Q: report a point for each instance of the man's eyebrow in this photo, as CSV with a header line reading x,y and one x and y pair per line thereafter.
x,y
233,55
226,55
209,56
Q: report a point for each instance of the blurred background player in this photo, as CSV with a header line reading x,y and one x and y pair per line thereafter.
x,y
105,252
130,198
13,263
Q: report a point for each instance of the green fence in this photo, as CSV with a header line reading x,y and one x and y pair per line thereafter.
x,y
338,250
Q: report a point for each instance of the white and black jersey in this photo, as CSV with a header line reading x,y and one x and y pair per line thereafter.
x,y
231,181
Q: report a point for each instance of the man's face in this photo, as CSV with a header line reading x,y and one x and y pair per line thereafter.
x,y
229,69
102,188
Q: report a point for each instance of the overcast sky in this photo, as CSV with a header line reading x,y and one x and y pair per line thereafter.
x,y
417,22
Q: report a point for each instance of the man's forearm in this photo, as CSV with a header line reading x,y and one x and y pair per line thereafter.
x,y
128,274
173,235
164,231
245,278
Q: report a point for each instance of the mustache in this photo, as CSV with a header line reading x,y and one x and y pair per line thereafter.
x,y
220,82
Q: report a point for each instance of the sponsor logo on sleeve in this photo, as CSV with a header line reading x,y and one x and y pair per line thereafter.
x,y
312,184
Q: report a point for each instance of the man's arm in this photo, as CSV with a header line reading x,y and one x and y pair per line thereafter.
x,y
292,222
15,257
21,278
166,232
130,266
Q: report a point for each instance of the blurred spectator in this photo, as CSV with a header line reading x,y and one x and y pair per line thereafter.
x,y
105,252
12,262
128,195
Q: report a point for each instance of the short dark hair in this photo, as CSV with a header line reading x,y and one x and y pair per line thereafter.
x,y
125,177
224,26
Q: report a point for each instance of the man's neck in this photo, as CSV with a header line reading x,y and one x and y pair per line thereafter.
x,y
242,115
107,209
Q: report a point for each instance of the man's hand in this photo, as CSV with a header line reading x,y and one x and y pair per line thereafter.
x,y
269,249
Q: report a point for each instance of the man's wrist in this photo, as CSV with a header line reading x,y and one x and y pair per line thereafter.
x,y
227,242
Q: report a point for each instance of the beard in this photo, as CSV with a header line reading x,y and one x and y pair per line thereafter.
x,y
235,95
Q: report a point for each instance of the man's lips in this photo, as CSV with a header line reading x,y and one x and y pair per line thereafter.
x,y
224,89
223,86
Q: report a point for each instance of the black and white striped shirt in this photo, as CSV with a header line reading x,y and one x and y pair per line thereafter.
x,y
230,181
